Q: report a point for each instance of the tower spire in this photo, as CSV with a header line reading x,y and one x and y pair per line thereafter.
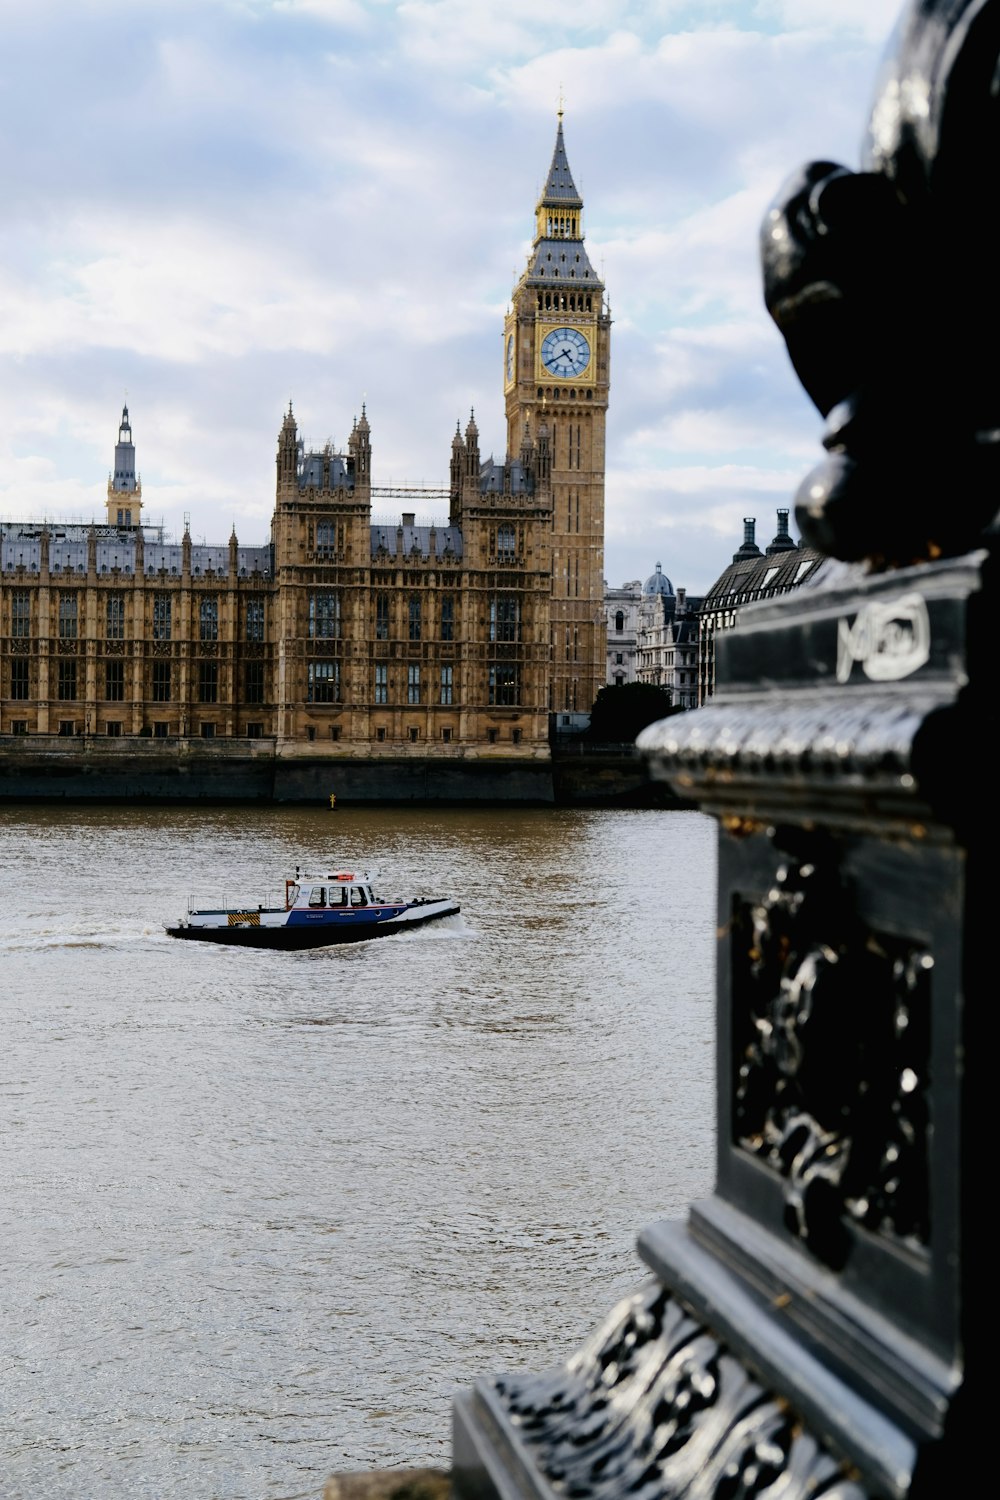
x,y
559,210
124,485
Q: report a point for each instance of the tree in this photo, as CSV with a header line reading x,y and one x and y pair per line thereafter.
x,y
622,710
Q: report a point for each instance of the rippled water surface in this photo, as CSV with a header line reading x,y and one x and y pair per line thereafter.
x,y
264,1213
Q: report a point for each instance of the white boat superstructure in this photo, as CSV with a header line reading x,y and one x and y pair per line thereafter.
x,y
338,906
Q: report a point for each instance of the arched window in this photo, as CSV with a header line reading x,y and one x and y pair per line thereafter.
x,y
506,543
620,620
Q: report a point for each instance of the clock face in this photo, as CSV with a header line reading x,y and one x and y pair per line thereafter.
x,y
510,357
565,353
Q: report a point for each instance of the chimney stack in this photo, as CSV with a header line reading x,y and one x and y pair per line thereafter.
x,y
749,548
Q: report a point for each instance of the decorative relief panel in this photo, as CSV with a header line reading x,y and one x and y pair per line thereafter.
x,y
654,1406
831,1056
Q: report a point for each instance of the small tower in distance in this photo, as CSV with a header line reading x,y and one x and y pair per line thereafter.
x,y
124,487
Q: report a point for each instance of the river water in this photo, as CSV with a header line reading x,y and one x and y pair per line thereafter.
x,y
263,1214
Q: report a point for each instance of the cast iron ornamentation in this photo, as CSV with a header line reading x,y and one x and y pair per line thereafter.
x,y
655,1406
831,1046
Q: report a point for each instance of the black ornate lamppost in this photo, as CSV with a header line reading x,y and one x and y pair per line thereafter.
x,y
819,1326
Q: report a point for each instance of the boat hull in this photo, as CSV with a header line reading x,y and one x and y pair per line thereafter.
x,y
290,938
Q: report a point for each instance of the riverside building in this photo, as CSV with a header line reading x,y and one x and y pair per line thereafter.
x,y
339,635
652,635
752,575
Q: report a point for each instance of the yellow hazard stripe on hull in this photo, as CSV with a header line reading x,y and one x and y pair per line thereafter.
x,y
243,918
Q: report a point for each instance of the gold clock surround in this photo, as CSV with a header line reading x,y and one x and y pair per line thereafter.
x,y
545,376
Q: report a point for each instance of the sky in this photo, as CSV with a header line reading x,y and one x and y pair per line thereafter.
x,y
214,207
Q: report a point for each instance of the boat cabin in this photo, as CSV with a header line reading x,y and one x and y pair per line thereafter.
x,y
321,892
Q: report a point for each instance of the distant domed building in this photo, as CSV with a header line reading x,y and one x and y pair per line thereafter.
x,y
653,637
657,583
658,634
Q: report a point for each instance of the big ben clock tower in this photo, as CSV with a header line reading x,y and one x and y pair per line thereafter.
x,y
556,377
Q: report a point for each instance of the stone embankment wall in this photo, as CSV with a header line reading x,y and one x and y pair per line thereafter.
x,y
46,767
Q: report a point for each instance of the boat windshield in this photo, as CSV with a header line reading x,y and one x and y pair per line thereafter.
x,y
358,897
317,896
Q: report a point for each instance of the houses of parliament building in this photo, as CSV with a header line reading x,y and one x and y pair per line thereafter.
x,y
340,637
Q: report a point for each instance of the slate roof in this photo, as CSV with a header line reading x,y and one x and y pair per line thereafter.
x,y
751,578
310,474
560,188
116,549
491,478
417,539
562,261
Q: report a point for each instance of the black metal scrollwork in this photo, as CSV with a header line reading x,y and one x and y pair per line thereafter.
x,y
832,1053
654,1406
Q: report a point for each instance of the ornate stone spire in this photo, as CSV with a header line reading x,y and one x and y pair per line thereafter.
x,y
124,486
288,450
558,254
559,210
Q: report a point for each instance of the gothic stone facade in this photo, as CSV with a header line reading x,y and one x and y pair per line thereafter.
x,y
455,639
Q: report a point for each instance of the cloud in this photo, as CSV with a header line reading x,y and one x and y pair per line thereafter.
x,y
217,206
348,14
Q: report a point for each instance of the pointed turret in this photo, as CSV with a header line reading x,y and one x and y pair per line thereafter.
x,y
288,452
472,448
543,467
456,471
359,446
124,486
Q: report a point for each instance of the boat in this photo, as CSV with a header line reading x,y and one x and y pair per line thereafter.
x,y
319,910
